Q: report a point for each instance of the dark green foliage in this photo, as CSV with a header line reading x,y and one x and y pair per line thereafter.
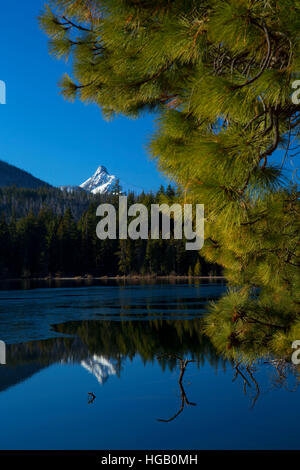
x,y
51,243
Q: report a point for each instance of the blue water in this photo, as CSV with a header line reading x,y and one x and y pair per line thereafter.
x,y
27,315
119,343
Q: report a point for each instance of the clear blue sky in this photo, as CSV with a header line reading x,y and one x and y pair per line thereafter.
x,y
60,142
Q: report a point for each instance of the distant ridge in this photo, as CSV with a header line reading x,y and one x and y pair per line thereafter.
x,y
12,176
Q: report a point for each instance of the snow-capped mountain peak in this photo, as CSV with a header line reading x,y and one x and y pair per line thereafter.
x,y
101,170
101,181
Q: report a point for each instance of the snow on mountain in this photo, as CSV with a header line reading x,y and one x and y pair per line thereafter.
x,y
100,367
101,181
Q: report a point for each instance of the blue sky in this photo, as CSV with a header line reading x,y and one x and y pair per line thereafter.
x,y
60,142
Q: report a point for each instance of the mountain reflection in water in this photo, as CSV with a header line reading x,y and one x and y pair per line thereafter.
x,y
131,367
103,347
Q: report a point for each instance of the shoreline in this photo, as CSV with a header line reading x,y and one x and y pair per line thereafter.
x,y
110,278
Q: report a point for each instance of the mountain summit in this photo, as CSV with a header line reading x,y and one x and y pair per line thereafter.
x,y
101,182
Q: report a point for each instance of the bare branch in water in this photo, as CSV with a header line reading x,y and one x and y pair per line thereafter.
x,y
184,400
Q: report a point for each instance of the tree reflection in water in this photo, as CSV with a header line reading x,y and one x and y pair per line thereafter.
x,y
173,343
184,400
247,375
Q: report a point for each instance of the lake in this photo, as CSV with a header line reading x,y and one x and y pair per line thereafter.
x,y
102,366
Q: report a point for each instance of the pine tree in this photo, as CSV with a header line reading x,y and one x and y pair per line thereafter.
x,y
125,257
219,77
31,245
5,246
197,268
68,244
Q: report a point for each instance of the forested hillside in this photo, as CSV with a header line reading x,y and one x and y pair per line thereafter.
x,y
20,201
11,175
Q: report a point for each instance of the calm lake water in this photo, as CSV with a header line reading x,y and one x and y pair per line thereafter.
x,y
123,344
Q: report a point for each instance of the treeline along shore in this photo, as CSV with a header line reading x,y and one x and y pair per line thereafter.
x,y
49,233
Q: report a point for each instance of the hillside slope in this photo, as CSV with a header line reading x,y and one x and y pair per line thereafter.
x,y
13,176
